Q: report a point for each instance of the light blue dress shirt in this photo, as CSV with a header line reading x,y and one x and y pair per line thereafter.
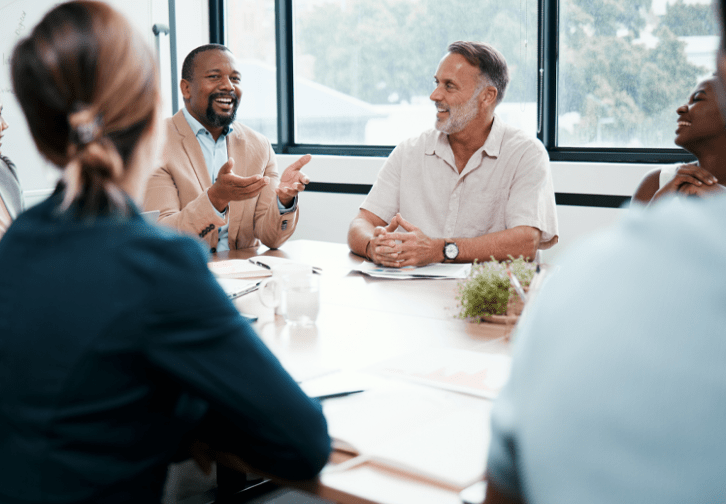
x,y
215,155
618,385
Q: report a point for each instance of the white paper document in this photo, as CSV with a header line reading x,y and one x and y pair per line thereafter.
x,y
477,373
430,271
270,262
439,435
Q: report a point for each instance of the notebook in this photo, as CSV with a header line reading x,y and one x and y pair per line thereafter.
x,y
237,268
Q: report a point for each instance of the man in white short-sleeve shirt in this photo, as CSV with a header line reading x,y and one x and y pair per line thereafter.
x,y
470,189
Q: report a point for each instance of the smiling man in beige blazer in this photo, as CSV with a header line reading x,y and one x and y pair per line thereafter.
x,y
218,178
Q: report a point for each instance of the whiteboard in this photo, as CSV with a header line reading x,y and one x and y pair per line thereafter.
x,y
17,18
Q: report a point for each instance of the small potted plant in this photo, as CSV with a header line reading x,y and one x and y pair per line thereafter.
x,y
487,293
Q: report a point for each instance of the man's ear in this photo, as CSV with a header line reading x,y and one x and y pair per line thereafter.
x,y
488,96
186,89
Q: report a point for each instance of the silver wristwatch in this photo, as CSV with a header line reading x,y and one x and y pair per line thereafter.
x,y
451,250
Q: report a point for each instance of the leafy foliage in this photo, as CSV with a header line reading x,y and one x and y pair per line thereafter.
x,y
685,20
384,51
619,86
622,88
487,289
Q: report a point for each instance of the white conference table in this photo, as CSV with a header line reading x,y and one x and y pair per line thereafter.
x,y
363,321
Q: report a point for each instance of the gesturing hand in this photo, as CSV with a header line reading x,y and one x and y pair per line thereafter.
x,y
293,181
231,187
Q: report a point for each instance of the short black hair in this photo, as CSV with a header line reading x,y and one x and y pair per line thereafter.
x,y
188,65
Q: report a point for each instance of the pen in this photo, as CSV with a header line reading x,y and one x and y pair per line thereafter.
x,y
517,285
249,317
317,270
235,295
338,394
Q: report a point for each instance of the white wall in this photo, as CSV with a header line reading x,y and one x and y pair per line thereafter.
x,y
17,18
326,217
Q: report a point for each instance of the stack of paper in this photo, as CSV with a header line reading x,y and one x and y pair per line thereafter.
x,y
439,431
476,373
431,271
439,435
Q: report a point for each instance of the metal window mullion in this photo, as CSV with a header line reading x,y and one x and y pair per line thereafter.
x,y
173,57
216,22
548,18
284,52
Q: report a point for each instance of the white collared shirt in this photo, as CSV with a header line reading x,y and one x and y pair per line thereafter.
x,y
506,183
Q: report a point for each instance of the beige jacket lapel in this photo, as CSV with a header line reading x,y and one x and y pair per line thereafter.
x,y
235,150
195,157
193,150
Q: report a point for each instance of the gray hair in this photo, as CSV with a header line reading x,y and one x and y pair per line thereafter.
x,y
491,63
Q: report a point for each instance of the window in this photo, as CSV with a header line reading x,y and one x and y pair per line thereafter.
x,y
364,68
594,79
251,37
626,65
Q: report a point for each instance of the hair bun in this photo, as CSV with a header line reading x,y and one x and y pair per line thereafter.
x,y
94,163
86,126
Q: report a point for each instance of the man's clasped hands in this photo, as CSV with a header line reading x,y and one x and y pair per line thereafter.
x,y
406,247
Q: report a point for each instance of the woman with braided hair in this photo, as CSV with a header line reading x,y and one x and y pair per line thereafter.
x,y
117,345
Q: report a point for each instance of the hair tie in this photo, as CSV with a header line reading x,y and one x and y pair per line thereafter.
x,y
86,127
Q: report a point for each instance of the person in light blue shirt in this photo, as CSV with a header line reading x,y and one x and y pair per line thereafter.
x,y
618,385
618,379
218,178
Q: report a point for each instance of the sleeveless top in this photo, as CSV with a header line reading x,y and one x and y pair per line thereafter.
x,y
667,173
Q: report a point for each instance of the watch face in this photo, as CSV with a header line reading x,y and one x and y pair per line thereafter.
x,y
451,251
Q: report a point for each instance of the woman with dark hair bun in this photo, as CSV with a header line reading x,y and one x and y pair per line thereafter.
x,y
117,345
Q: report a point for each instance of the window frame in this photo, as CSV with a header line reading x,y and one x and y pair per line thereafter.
x,y
548,35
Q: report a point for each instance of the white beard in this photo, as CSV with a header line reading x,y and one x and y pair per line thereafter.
x,y
459,115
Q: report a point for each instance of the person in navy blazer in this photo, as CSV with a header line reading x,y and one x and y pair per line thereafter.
x,y
117,345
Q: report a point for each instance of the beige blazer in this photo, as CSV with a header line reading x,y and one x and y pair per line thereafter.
x,y
178,189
